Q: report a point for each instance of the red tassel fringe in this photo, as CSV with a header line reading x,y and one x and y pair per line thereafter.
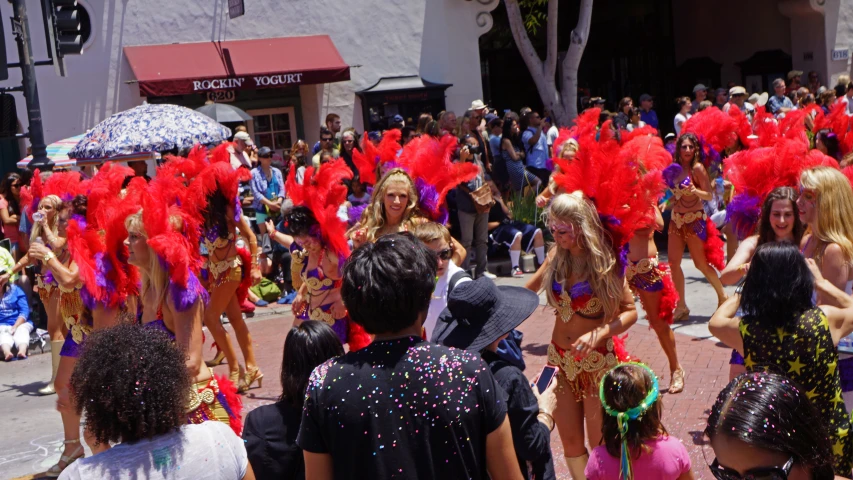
x,y
669,296
619,349
714,246
246,283
235,403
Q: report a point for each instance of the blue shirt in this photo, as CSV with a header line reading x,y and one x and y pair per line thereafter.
x,y
776,102
14,305
537,155
495,144
650,117
261,187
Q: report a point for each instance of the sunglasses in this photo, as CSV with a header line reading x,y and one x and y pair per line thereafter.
x,y
15,185
761,473
325,139
445,254
349,141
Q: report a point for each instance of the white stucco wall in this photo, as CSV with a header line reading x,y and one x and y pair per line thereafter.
x,y
838,17
377,38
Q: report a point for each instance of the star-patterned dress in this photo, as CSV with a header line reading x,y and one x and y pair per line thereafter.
x,y
804,352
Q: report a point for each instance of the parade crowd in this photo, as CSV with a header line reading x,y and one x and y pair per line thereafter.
x,y
404,360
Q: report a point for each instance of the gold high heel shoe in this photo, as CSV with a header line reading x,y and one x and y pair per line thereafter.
x,y
219,359
237,377
252,375
679,316
78,453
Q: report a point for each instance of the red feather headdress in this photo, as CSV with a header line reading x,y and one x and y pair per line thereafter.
x,y
713,127
370,157
323,193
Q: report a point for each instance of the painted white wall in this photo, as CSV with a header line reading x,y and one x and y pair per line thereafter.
x,y
838,18
377,38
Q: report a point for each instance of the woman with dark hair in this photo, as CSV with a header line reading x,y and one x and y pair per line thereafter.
x,y
782,329
144,412
10,209
826,141
763,426
349,142
779,222
270,430
690,225
684,105
623,114
513,156
229,269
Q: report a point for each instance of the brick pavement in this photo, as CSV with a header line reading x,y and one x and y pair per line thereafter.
x,y
684,416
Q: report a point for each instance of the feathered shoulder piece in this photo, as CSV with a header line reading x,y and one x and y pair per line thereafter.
x,y
716,129
186,167
743,129
370,157
322,191
428,162
643,131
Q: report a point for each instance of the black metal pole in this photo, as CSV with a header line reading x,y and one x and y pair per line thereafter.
x,y
21,29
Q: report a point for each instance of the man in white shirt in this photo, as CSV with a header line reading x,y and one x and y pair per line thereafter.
x,y
552,132
238,150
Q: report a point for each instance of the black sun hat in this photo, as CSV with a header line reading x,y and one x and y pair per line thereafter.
x,y
479,312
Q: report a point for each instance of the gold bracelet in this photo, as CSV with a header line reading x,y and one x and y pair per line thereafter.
x,y
549,417
47,258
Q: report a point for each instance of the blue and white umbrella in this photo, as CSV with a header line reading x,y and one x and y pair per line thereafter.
x,y
148,128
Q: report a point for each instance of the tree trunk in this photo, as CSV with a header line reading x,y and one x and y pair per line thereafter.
x,y
562,103
569,82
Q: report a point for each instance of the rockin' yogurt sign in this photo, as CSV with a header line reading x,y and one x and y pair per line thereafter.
x,y
247,82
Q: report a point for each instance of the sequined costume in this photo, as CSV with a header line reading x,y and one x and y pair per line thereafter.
x,y
804,351
696,223
77,318
46,285
212,399
218,272
649,275
582,374
319,285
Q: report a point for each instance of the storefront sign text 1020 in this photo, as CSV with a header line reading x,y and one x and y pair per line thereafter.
x,y
255,82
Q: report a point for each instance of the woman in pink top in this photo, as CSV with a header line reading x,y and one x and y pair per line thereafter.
x,y
10,210
630,393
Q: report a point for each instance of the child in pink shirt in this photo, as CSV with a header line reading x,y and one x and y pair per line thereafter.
x,y
642,449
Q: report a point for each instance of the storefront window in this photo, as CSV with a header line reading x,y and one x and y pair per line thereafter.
x,y
274,128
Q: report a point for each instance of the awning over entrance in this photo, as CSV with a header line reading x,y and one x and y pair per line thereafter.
x,y
404,89
183,68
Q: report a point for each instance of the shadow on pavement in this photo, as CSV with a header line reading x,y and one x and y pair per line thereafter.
x,y
28,390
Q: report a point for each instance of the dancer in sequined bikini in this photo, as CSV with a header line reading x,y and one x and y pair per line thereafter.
x,y
583,281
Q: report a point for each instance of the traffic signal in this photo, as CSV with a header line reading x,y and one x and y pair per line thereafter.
x,y
67,26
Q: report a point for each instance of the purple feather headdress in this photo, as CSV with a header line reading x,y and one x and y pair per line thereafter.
x,y
743,213
672,172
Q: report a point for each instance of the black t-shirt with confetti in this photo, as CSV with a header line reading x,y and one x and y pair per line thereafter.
x,y
403,408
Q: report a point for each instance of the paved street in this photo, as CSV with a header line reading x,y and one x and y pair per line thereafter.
x,y
32,429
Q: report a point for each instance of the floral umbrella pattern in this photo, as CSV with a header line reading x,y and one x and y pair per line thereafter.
x,y
149,128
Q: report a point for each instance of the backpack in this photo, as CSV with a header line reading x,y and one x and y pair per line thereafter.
x,y
455,279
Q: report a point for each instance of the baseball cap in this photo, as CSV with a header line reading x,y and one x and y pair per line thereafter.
x,y
668,136
721,91
398,119
491,117
244,137
699,87
597,101
265,152
645,97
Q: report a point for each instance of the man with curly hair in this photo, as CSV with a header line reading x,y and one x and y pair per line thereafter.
x,y
133,385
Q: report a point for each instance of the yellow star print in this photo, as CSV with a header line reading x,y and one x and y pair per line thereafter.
x,y
781,334
811,393
743,330
796,366
831,366
837,399
837,448
820,351
842,432
747,362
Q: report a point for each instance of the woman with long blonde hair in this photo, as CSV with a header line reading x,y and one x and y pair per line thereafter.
x,y
393,208
583,282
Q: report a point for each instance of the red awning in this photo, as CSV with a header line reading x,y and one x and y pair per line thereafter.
x,y
182,68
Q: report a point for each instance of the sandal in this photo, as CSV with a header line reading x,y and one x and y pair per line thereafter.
x,y
676,384
78,453
252,375
680,316
219,359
